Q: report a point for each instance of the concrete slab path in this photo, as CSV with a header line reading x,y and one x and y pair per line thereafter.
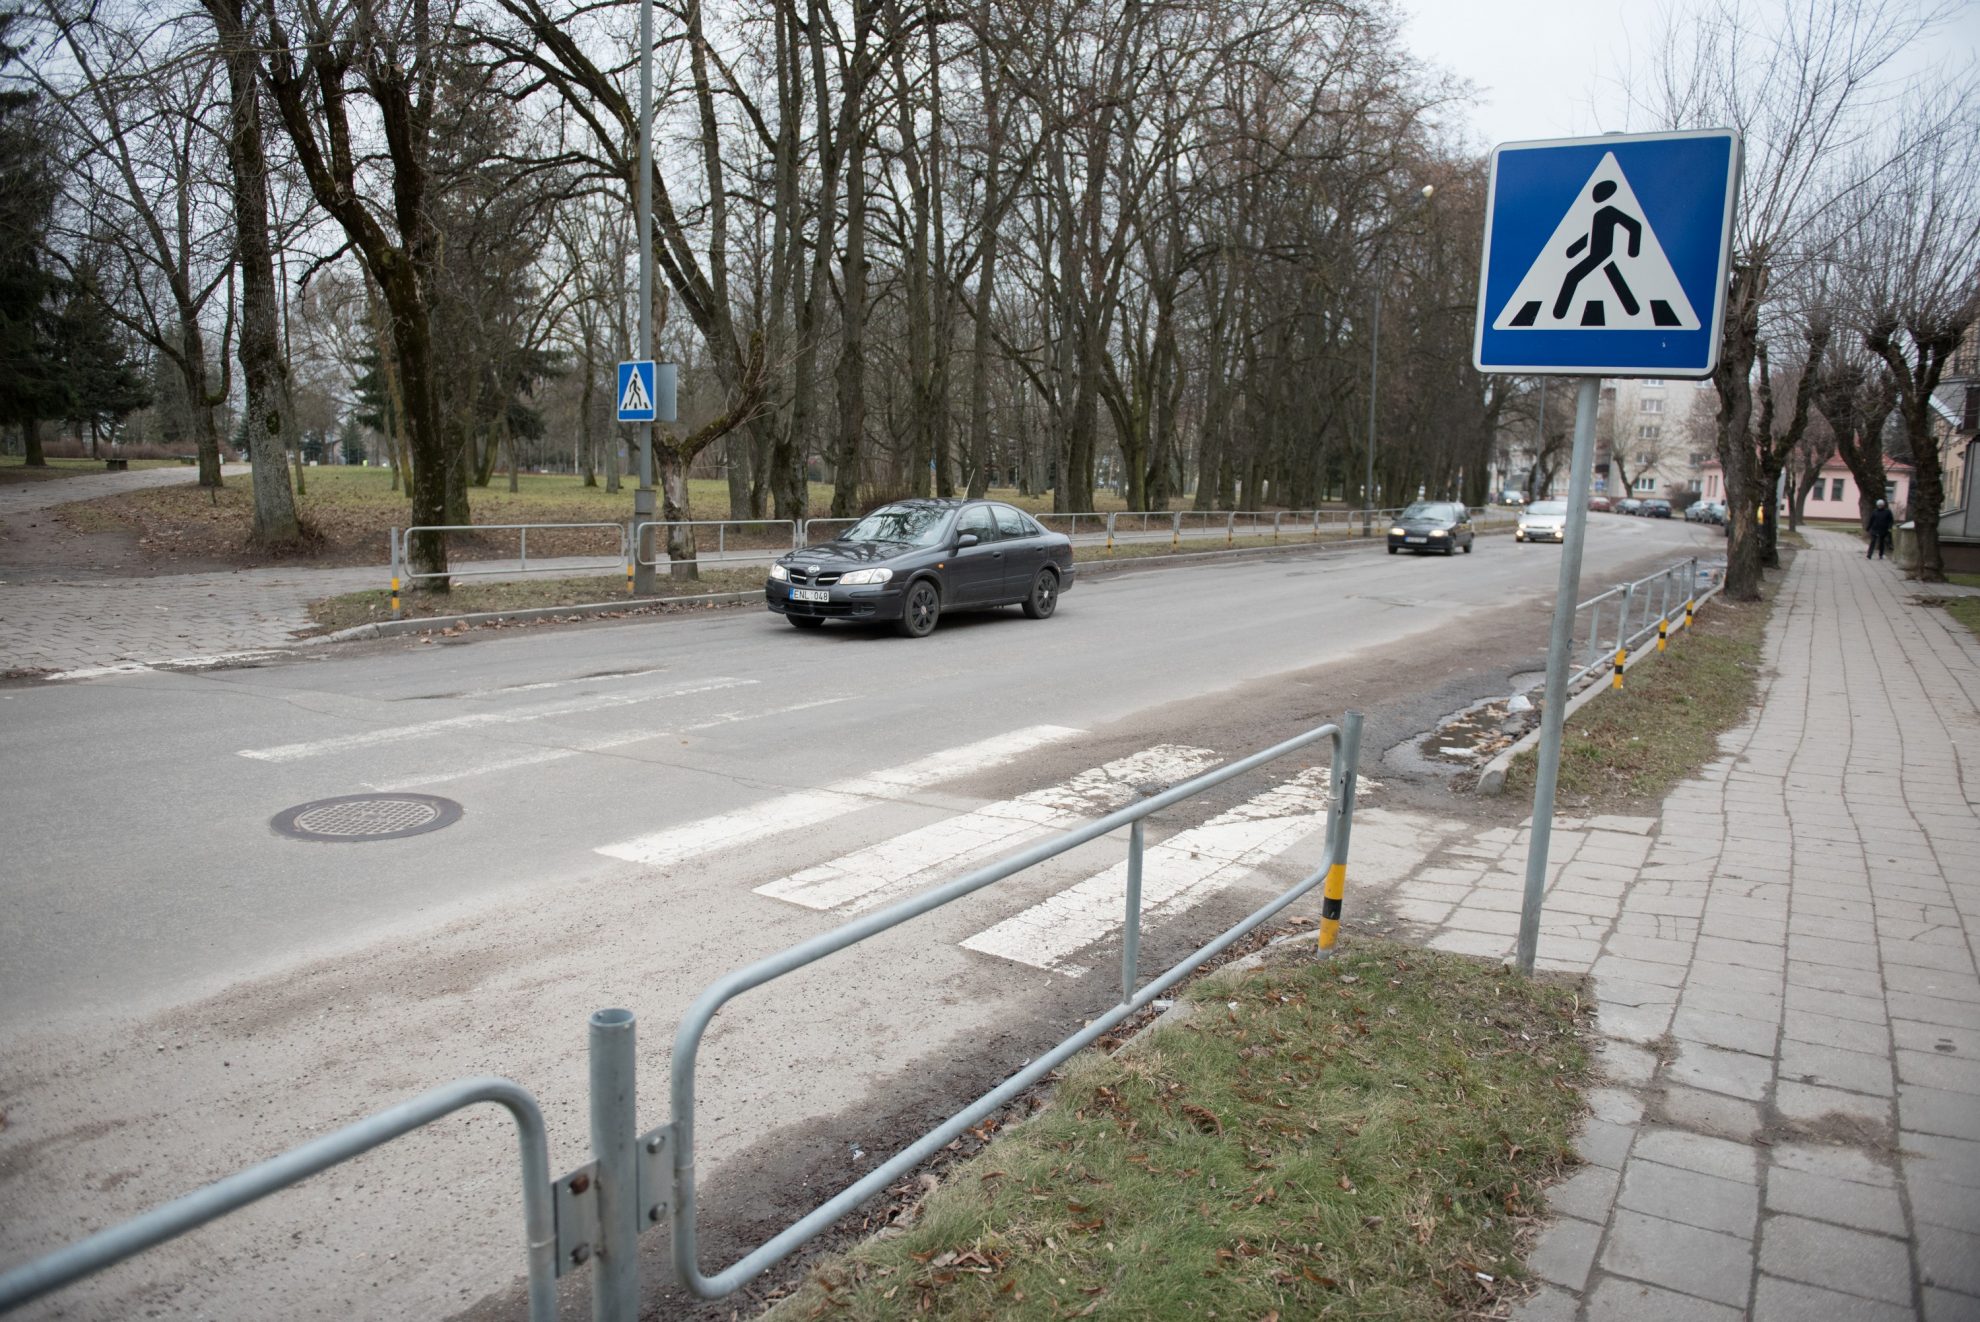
x,y
1785,964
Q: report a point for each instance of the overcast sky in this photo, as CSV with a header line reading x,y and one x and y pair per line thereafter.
x,y
1550,68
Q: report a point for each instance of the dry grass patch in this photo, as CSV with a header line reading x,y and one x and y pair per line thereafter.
x,y
1366,1138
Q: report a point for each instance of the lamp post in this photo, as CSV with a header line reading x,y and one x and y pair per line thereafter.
x,y
643,502
1374,372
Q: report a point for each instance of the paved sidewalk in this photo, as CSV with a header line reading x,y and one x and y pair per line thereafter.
x,y
26,497
1785,967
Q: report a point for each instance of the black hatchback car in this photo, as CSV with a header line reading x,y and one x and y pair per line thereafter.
x,y
909,562
1432,525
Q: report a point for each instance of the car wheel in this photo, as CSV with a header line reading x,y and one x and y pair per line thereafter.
x,y
1044,596
1394,549
1467,547
920,611
805,621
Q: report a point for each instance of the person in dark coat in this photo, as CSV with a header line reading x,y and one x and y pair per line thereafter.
x,y
1879,528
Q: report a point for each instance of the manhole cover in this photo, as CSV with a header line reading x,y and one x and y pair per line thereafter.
x,y
367,817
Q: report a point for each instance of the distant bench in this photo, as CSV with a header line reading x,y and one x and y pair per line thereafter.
x,y
117,465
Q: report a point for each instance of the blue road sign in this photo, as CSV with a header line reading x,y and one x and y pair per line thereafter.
x,y
1607,256
636,391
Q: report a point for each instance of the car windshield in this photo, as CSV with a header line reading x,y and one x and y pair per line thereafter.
x,y
905,525
1424,509
1547,507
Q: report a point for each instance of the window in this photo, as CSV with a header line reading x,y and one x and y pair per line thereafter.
x,y
1012,523
1648,431
1835,488
1697,459
1645,459
977,519
1654,405
1656,381
1645,485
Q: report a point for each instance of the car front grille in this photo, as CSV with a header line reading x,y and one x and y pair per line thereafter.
x,y
822,578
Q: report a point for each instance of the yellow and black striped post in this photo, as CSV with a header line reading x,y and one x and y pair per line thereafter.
x,y
629,578
395,595
1690,604
1663,632
1340,822
1622,659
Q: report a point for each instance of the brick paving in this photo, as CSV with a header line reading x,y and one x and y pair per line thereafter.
x,y
92,620
1784,960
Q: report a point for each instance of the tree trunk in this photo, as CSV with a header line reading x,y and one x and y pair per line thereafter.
x,y
847,454
31,441
1735,446
670,472
270,422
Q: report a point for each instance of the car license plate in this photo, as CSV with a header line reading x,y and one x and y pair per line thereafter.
x,y
810,594
1416,541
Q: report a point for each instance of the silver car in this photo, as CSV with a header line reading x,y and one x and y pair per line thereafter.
x,y
1542,521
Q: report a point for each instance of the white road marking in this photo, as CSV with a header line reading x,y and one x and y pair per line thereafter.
x,y
599,745
1176,873
790,812
398,734
867,877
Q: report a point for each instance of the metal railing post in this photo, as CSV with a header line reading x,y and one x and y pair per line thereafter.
x,y
1131,935
397,561
1622,634
630,547
614,1146
1110,534
1347,756
1175,531
1230,529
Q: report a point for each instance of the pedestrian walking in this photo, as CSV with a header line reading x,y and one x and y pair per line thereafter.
x,y
1879,528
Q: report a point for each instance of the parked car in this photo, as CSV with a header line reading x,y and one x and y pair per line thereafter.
x,y
1542,521
911,562
1432,525
1511,498
1629,506
1600,504
1707,511
1656,509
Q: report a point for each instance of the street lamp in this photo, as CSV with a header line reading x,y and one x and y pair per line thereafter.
x,y
1374,368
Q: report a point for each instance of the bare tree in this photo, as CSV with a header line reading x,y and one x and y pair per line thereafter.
x,y
1801,84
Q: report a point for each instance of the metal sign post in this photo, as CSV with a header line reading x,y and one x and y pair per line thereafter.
x,y
643,495
1603,257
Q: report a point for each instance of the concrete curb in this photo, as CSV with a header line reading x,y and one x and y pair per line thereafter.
x,y
1492,780
474,619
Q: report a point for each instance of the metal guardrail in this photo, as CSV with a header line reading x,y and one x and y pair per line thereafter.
x,y
403,572
1641,609
636,1182
109,1247
643,535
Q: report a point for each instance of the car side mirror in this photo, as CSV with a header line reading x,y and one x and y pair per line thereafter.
x,y
967,539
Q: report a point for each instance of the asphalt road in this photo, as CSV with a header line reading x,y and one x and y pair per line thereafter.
x,y
647,804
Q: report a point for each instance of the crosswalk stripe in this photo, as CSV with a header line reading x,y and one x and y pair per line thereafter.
x,y
790,812
867,877
1176,873
604,743
398,734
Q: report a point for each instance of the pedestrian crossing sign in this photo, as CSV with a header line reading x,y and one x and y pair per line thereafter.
x,y
1607,256
636,391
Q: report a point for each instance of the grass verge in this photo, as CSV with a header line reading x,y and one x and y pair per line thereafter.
x,y
1627,750
14,469
1966,610
374,605
1964,580
1363,1138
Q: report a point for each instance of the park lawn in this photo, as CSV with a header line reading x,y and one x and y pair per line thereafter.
x,y
349,512
1627,750
1362,1138
1967,611
14,469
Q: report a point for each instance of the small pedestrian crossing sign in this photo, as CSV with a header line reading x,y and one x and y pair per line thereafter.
x,y
1607,256
636,391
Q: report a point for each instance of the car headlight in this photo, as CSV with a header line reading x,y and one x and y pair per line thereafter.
x,y
1523,527
859,576
1398,532
1439,532
780,574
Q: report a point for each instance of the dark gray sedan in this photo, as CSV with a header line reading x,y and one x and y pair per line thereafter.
x,y
1432,525
909,562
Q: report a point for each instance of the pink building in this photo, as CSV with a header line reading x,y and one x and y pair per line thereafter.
x,y
1834,493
